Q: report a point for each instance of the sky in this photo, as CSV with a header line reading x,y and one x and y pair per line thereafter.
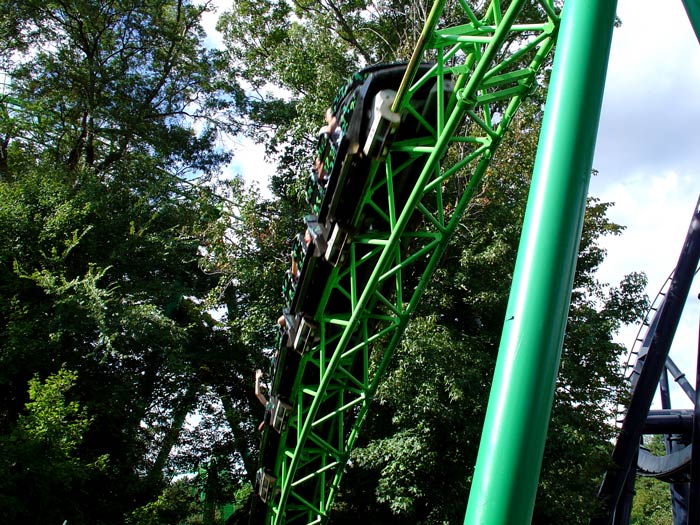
x,y
647,153
248,159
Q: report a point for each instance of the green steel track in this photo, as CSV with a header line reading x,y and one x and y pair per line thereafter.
x,y
493,60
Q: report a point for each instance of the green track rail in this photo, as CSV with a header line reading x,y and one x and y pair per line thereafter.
x,y
494,60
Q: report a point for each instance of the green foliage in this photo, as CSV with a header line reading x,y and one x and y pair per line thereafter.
x,y
108,206
652,503
45,442
50,421
173,505
110,80
305,50
191,501
421,438
652,498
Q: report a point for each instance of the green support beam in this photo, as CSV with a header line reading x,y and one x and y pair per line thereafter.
x,y
387,268
692,8
510,455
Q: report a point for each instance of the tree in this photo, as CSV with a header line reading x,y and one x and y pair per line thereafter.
x,y
108,207
44,441
652,498
111,80
652,503
307,49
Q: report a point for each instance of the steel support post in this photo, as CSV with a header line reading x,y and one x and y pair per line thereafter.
x,y
694,490
623,511
512,444
672,439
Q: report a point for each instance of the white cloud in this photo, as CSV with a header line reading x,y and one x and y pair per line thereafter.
x,y
249,162
648,155
209,19
656,210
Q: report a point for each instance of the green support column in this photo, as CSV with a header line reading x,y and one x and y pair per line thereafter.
x,y
512,444
692,8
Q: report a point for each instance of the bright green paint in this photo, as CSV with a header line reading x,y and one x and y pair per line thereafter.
x,y
329,412
510,455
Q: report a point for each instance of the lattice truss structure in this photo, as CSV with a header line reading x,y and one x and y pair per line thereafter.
x,y
481,70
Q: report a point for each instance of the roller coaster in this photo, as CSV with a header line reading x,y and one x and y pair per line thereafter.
x,y
397,137
649,366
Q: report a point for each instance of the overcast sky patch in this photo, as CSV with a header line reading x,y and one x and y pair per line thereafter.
x,y
648,154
